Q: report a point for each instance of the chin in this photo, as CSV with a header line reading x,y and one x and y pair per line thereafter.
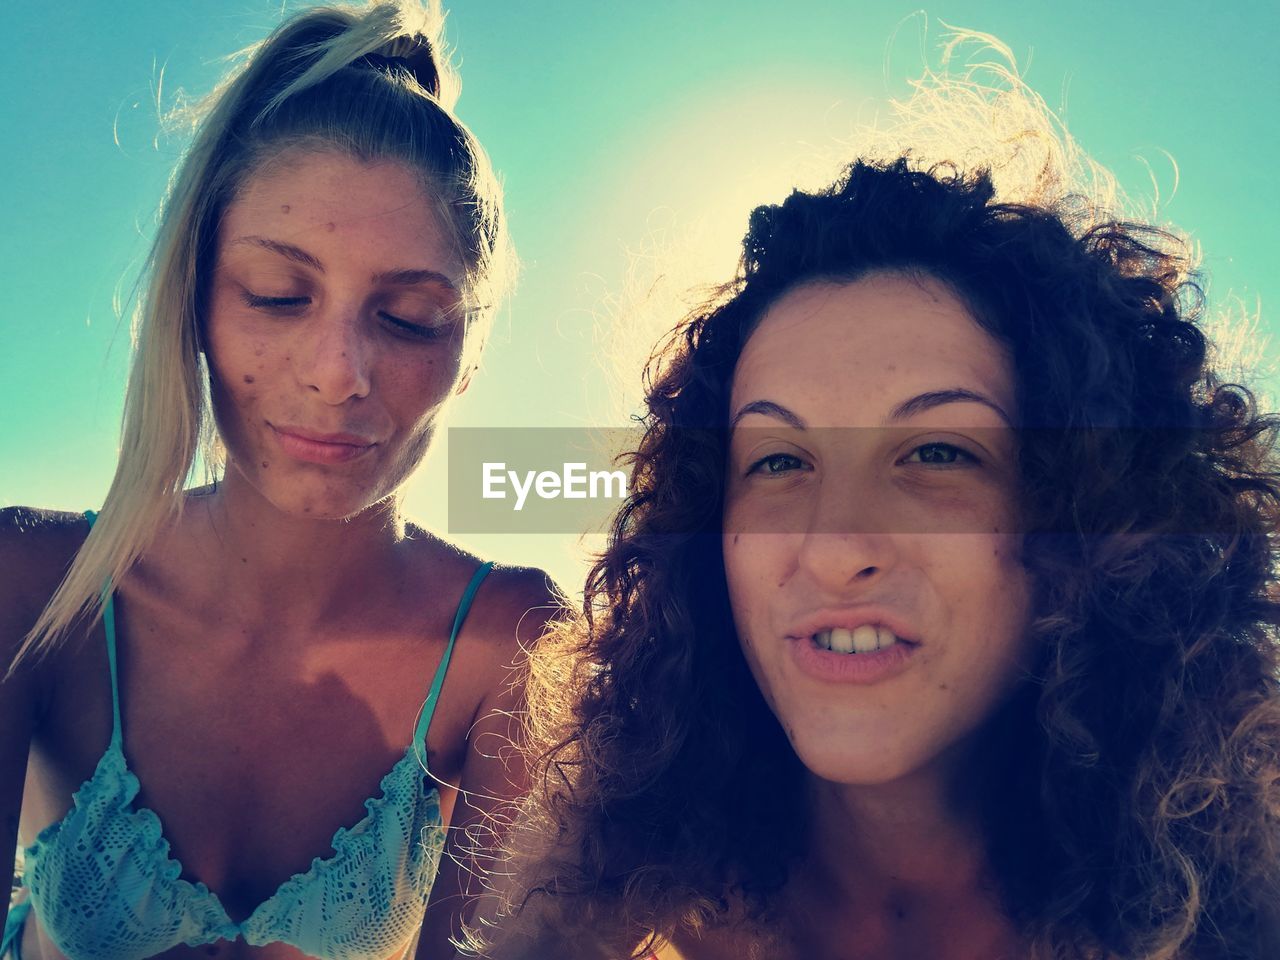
x,y
853,771
323,501
852,763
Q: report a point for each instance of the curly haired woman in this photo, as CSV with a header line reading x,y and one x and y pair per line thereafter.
x,y
940,621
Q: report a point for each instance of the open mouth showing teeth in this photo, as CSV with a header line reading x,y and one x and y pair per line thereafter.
x,y
864,639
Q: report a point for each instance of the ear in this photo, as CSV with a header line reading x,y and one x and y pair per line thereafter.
x,y
464,382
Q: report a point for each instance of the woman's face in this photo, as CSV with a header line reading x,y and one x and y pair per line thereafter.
x,y
871,506
334,330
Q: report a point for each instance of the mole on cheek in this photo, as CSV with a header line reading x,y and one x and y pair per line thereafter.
x,y
331,227
248,378
284,208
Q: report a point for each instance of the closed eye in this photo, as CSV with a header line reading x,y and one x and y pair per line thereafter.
x,y
274,303
939,454
421,331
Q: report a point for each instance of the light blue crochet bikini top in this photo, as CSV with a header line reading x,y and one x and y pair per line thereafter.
x,y
104,886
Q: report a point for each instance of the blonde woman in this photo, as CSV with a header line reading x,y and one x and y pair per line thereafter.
x,y
248,715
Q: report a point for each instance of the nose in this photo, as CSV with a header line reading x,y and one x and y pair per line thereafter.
x,y
336,361
846,543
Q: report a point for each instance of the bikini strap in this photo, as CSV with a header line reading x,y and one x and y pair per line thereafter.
x,y
464,605
109,626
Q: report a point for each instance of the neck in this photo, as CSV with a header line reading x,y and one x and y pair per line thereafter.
x,y
901,869
281,566
914,835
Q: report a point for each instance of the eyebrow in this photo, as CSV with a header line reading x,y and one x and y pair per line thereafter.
x,y
400,277
937,398
285,250
907,408
769,409
409,278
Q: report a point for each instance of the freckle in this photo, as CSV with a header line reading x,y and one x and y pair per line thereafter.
x,y
244,559
943,686
284,208
248,378
331,227
257,353
306,509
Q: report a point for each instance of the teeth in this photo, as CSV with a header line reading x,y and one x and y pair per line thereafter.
x,y
864,639
842,641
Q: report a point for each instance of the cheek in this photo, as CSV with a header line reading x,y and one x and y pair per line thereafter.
x,y
412,390
414,384
989,595
241,364
736,575
746,561
754,567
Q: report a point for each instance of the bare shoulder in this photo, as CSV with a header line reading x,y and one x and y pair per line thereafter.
x,y
36,548
512,605
519,602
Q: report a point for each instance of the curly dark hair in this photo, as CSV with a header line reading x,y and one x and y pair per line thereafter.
x,y
1139,819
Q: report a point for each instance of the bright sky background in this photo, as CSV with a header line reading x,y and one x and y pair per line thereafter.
x,y
616,127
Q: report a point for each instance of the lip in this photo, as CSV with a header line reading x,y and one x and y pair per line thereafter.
x,y
312,446
828,666
850,619
853,668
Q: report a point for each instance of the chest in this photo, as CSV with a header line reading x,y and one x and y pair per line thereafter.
x,y
251,754
820,928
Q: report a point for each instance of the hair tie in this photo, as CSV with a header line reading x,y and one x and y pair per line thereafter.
x,y
412,53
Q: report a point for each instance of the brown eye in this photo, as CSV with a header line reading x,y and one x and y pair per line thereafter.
x,y
939,455
776,463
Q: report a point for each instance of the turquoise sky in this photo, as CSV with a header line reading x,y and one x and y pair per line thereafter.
x,y
616,127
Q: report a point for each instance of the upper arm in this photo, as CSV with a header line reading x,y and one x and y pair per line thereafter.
x,y
35,549
494,774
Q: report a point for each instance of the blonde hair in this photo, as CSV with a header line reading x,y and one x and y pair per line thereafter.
x,y
374,81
